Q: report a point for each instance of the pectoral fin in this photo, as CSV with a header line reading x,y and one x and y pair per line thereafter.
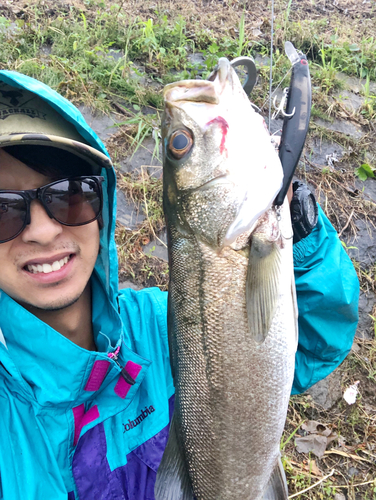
x,y
173,481
262,287
276,488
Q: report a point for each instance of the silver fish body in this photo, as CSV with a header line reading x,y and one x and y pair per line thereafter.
x,y
232,385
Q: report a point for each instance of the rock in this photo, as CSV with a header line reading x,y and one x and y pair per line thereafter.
x,y
352,471
111,54
143,156
352,102
262,60
129,284
342,127
364,250
321,151
197,59
339,496
328,391
356,85
156,248
365,328
103,125
368,188
127,214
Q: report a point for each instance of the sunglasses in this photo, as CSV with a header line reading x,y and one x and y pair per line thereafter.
x,y
72,202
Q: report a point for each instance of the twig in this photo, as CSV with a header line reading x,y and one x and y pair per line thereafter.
x,y
347,223
354,485
313,485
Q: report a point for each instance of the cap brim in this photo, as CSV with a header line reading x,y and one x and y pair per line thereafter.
x,y
96,159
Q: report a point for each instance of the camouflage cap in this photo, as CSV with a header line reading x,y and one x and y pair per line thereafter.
x,y
26,119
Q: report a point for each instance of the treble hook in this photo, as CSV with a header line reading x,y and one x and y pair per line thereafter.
x,y
280,109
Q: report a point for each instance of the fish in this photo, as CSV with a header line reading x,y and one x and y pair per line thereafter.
x,y
232,313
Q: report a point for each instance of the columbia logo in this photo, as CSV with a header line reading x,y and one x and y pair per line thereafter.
x,y
133,423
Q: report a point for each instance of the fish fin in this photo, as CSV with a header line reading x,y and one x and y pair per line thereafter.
x,y
276,489
262,287
173,482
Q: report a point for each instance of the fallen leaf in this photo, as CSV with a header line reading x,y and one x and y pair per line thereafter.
x,y
317,439
313,443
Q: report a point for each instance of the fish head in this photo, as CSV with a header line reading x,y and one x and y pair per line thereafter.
x,y
221,171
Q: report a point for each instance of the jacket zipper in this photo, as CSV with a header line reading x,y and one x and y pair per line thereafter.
x,y
126,376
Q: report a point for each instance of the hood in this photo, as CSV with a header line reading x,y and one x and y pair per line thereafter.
x,y
107,265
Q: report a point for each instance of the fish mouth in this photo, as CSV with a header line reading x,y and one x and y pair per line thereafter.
x,y
220,179
202,91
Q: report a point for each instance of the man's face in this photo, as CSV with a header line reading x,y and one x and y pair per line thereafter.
x,y
71,251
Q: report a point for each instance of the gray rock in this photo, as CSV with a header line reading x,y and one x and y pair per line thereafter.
x,y
339,496
156,248
111,54
319,151
353,471
355,84
352,102
127,214
328,391
103,125
342,127
46,50
197,59
364,250
262,60
365,328
143,156
129,284
368,188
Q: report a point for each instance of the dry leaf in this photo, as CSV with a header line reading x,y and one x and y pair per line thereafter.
x,y
317,439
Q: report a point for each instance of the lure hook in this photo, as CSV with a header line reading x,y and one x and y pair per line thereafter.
x,y
281,108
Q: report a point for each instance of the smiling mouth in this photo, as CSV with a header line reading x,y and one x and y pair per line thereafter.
x,y
47,268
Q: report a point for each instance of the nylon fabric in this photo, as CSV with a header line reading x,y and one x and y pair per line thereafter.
x,y
328,294
43,402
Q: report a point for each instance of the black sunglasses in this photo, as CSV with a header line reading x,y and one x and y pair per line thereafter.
x,y
72,202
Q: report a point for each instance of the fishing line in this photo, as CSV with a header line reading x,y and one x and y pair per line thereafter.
x,y
271,65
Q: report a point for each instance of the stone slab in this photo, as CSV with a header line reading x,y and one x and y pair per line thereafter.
x,y
365,328
143,156
103,125
127,214
342,127
156,248
328,391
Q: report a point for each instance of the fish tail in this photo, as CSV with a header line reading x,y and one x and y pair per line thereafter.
x,y
173,482
276,488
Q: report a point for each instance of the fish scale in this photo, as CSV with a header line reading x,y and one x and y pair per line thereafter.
x,y
232,382
224,378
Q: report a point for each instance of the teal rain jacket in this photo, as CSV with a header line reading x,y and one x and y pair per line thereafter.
x,y
71,426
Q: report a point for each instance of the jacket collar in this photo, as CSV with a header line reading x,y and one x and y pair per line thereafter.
x,y
47,368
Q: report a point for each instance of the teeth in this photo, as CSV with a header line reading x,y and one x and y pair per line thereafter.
x,y
47,268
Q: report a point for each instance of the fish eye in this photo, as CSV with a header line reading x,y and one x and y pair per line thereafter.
x,y
180,143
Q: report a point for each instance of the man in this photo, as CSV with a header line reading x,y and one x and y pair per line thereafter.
x,y
85,384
